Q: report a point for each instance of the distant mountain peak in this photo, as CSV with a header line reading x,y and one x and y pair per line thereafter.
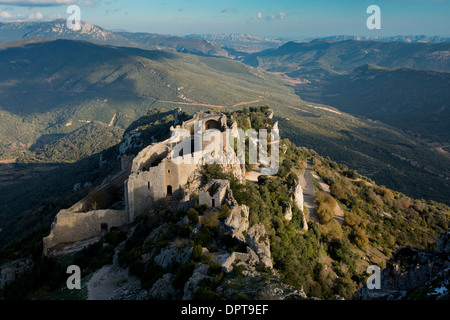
x,y
57,29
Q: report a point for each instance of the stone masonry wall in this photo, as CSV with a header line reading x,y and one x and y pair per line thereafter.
x,y
71,226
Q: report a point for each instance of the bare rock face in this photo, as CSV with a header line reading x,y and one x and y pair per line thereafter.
x,y
298,199
237,221
249,259
256,287
163,289
288,212
414,274
258,241
443,243
172,254
191,285
13,270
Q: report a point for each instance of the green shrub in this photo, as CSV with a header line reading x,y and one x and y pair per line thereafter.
x,y
193,216
214,268
184,272
197,253
185,231
224,212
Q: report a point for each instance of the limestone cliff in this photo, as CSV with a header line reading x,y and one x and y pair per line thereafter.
x,y
258,241
414,274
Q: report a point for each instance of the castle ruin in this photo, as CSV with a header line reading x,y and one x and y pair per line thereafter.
x,y
152,180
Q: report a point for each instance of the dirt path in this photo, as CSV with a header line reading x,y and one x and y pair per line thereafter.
x,y
308,192
203,104
323,108
244,103
112,120
323,185
253,175
109,282
339,214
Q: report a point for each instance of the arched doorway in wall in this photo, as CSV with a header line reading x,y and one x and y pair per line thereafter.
x,y
169,190
104,228
212,124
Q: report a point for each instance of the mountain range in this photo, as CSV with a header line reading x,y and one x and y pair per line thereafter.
x,y
116,85
345,56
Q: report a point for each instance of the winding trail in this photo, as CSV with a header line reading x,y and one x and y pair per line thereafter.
x,y
202,104
308,192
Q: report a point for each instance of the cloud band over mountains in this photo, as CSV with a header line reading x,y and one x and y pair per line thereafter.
x,y
48,3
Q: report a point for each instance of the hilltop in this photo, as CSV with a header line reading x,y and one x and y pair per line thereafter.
x,y
172,253
240,41
57,29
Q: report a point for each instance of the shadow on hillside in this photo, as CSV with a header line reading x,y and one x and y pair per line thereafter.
x,y
77,74
45,139
32,194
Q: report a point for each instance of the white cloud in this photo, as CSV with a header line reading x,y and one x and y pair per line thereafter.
x,y
259,15
6,15
278,16
49,3
35,16
54,16
228,10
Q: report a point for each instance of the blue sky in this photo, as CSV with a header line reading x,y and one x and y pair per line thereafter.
x,y
281,18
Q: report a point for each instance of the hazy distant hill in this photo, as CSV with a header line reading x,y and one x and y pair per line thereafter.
x,y
414,100
57,86
345,56
409,39
240,41
180,44
57,29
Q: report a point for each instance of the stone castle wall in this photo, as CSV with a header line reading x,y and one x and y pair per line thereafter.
x,y
71,226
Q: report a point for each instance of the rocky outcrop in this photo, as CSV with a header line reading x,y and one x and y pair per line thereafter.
x,y
237,222
288,212
414,274
200,272
163,288
297,197
173,254
249,259
256,287
13,270
443,244
258,240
